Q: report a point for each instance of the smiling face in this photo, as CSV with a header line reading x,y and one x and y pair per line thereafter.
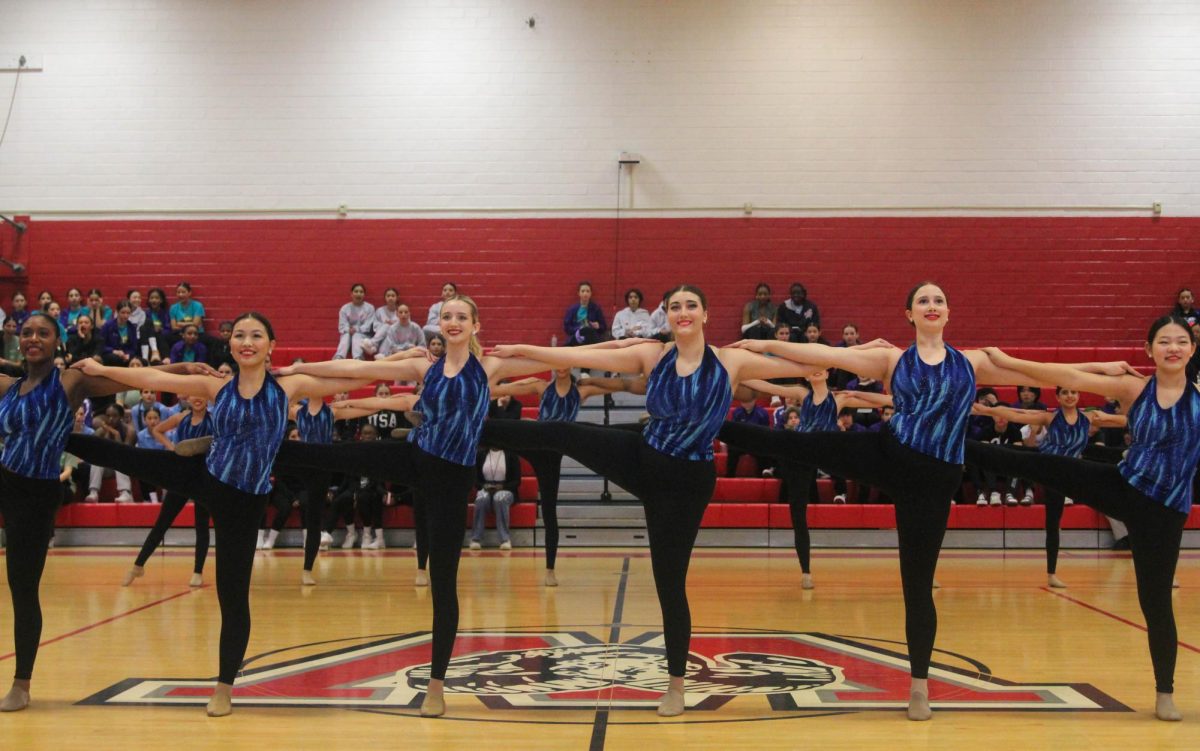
x,y
929,311
155,299
39,338
1068,398
183,294
458,323
819,376
686,314
797,294
251,343
135,299
1171,348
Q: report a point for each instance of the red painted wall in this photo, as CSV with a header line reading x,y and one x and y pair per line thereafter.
x,y
1036,281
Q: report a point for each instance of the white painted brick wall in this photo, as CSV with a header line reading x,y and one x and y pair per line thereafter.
x,y
404,103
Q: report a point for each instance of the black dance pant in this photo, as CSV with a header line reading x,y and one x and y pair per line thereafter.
x,y
442,488
1155,533
28,506
172,504
674,493
547,467
799,487
921,487
235,515
312,503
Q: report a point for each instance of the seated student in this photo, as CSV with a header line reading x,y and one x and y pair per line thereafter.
x,y
111,426
1030,397
100,313
156,330
186,312
361,493
83,342
219,350
11,358
846,424
189,348
402,335
987,484
433,325
584,321
148,400
1185,307
838,379
137,314
119,337
659,328
747,411
386,420
633,322
289,493
758,315
75,308
504,408
498,476
147,440
19,311
355,320
789,403
797,312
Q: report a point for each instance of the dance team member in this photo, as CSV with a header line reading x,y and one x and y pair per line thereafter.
x,y
249,415
1150,490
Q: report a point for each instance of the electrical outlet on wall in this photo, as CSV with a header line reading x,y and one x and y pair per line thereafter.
x,y
11,62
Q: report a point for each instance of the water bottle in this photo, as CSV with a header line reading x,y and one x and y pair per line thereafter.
x,y
554,340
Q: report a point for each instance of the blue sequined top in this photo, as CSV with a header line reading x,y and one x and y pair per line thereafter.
x,y
1162,459
186,430
246,435
933,403
818,417
35,427
1064,439
454,410
555,408
316,428
686,412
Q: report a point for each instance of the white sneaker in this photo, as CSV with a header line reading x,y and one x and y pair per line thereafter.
x,y
768,472
124,497
1010,499
981,500
368,538
380,542
995,498
506,545
92,497
1068,502
261,539
839,498
269,544
351,538
326,540
1028,499
475,545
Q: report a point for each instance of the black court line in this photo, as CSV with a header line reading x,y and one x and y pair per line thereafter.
x,y
600,724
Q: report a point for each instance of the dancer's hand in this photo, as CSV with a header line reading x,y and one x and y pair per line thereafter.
x,y
632,341
1118,368
506,350
981,409
409,353
879,343
998,356
89,366
751,345
286,370
203,368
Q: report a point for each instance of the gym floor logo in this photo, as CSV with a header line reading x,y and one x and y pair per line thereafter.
x,y
786,672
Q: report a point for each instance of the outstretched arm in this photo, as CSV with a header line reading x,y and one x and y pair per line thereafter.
x,y
596,386
743,365
109,380
862,399
315,387
870,362
1105,420
1022,416
1126,388
524,387
637,359
411,369
774,389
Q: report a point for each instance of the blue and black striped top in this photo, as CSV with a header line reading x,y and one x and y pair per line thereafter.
x,y
454,410
933,403
1065,439
1166,447
686,413
555,408
316,428
246,435
818,417
185,430
35,427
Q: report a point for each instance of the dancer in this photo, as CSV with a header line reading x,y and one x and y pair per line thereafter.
x,y
819,410
917,461
1066,434
37,412
438,460
558,401
669,465
249,416
195,423
1150,490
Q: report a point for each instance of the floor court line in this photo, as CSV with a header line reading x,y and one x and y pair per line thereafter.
x,y
1114,616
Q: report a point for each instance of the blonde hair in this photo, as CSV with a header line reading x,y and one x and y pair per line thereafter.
x,y
474,346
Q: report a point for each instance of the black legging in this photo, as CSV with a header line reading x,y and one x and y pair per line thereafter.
x,y
28,506
1155,532
441,487
172,504
235,515
921,487
674,493
799,483
547,466
1055,502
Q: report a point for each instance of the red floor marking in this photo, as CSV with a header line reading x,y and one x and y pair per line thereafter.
x,y
1114,616
98,624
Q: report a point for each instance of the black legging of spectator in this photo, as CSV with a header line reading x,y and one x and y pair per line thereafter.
x,y
28,506
172,504
312,504
1155,533
442,487
674,493
547,467
921,487
734,457
235,514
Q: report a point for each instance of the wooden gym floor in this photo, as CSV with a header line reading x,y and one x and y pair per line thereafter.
x,y
577,667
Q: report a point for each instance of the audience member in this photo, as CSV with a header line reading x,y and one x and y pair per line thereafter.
x,y
219,350
186,311
498,477
100,313
119,338
111,426
402,335
19,312
75,308
584,321
189,348
746,411
758,315
432,327
1185,307
84,342
634,321
797,312
354,324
